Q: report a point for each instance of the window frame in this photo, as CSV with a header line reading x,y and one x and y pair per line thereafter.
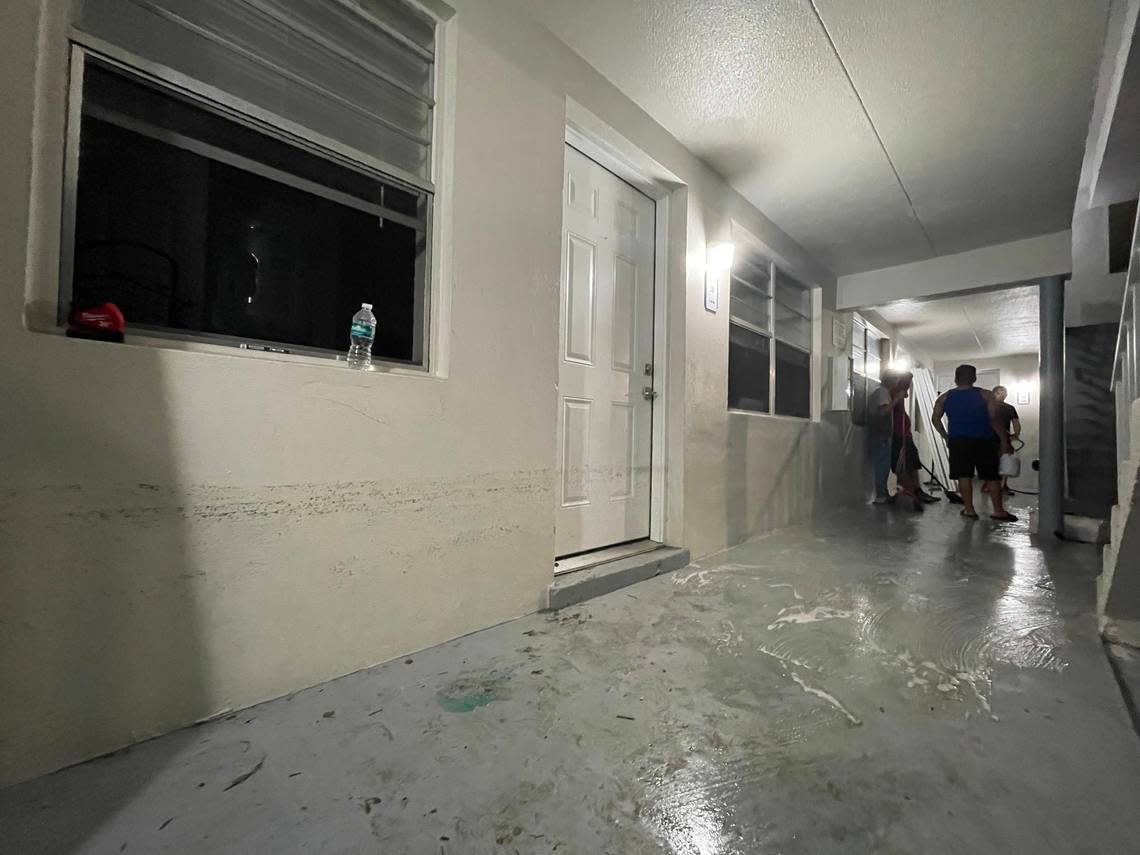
x,y
83,47
869,330
775,271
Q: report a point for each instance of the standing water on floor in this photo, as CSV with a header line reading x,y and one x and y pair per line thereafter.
x,y
876,683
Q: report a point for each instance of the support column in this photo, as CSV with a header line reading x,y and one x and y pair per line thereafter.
x,y
1051,508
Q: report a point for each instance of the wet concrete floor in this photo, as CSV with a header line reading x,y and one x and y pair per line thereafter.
x,y
875,683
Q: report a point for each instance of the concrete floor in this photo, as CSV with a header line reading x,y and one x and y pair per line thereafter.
x,y
878,683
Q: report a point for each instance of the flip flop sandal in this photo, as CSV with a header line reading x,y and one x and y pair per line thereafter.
x,y
1003,517
969,516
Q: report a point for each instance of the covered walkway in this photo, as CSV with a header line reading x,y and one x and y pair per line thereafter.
x,y
879,682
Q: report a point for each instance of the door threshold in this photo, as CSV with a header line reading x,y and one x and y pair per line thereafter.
x,y
568,589
603,556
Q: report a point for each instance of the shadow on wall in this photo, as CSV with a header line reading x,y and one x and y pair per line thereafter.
x,y
775,493
99,632
733,163
781,473
845,474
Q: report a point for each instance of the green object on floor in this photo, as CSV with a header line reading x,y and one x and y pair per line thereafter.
x,y
466,703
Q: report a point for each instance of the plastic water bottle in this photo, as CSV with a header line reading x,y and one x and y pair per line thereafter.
x,y
361,336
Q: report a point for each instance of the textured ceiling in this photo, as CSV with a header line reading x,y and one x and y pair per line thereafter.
x,y
876,132
996,323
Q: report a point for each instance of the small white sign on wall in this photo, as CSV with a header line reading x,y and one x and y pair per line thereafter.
x,y
719,270
712,293
838,332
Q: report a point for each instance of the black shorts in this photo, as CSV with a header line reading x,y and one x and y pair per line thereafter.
x,y
969,454
911,454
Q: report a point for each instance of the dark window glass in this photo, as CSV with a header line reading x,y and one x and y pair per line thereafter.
x,y
756,318
748,369
192,222
861,388
793,381
1121,221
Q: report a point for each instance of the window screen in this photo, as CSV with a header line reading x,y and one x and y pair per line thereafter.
x,y
1121,225
749,355
750,334
858,345
194,223
866,347
793,381
792,311
874,349
253,170
358,72
770,337
792,326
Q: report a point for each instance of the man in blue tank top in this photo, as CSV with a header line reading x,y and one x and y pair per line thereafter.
x,y
977,438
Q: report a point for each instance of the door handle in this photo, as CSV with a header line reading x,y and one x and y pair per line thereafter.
x,y
648,394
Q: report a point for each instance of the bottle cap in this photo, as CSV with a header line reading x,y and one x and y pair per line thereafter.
x,y
366,306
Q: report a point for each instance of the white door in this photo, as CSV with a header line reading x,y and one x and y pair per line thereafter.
x,y
605,359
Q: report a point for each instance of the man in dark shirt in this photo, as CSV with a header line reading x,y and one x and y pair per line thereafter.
x,y
904,453
1008,415
879,430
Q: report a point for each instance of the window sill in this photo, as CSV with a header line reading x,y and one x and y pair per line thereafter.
x,y
732,411
42,324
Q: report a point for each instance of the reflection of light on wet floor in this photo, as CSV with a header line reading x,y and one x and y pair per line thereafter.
x,y
689,811
949,641
931,623
1025,625
942,630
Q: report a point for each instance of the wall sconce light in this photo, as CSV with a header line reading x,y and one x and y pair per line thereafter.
x,y
1022,393
718,267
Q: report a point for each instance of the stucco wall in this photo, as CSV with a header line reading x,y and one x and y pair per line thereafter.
x,y
748,473
183,533
1017,262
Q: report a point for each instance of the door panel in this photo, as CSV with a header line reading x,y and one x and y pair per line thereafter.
x,y
581,276
624,333
575,451
606,345
621,449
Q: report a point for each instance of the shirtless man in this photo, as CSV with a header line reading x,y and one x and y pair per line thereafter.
x,y
1012,422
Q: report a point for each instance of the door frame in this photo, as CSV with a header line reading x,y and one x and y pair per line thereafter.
x,y
601,144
